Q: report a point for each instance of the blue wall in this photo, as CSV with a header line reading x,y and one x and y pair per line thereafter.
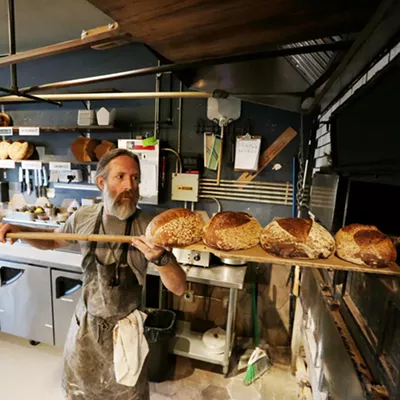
x,y
137,117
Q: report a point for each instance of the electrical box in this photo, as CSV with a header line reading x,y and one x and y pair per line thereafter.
x,y
185,187
149,167
192,257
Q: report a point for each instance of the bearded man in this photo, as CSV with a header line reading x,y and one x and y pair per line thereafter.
x,y
113,276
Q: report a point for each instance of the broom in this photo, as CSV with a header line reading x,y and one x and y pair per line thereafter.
x,y
259,361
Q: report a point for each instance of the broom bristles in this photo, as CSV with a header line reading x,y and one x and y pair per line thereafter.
x,y
257,369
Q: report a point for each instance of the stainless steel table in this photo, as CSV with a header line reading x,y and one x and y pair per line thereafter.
x,y
190,344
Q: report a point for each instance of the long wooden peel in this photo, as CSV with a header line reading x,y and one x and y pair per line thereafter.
x,y
70,236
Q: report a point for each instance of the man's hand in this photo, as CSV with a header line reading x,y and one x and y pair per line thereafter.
x,y
7,228
150,251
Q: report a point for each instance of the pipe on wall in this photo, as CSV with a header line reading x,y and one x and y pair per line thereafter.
x,y
177,156
180,116
109,96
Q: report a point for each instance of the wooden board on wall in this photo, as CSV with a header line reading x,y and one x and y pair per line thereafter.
x,y
257,254
270,153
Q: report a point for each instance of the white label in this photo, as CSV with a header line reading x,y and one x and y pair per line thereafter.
x,y
7,164
31,164
6,131
29,131
60,166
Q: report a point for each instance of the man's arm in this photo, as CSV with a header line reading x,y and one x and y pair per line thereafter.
x,y
172,275
39,244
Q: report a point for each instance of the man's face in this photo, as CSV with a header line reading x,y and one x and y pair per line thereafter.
x,y
121,187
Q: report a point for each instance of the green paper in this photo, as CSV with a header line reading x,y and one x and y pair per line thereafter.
x,y
151,141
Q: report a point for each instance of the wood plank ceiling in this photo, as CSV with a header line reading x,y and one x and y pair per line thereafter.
x,y
186,30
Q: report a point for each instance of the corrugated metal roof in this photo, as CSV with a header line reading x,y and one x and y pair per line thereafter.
x,y
312,66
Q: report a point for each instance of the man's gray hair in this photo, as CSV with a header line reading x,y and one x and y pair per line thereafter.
x,y
102,169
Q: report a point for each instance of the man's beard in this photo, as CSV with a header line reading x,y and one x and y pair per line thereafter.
x,y
122,209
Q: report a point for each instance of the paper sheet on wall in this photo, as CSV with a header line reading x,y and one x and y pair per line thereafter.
x,y
148,183
247,153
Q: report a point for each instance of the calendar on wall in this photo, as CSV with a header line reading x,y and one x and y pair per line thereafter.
x,y
247,153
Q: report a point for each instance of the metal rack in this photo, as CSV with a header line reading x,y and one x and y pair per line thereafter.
x,y
188,343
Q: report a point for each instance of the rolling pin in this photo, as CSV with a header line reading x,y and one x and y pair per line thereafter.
x,y
70,236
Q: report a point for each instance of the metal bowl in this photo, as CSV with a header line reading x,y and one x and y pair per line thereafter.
x,y
233,261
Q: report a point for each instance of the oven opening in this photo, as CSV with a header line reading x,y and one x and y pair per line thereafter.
x,y
374,204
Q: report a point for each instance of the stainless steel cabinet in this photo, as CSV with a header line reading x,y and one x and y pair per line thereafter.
x,y
67,288
25,301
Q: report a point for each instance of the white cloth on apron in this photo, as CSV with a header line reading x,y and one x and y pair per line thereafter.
x,y
130,348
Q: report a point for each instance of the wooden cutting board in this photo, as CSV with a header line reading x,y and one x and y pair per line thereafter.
x,y
269,154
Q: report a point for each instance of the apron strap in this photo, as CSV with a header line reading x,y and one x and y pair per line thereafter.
x,y
125,246
93,245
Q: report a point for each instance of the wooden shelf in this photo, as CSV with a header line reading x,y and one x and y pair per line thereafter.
x,y
257,254
72,128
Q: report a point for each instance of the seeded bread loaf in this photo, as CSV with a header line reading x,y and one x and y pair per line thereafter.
x,y
177,227
297,238
365,245
232,231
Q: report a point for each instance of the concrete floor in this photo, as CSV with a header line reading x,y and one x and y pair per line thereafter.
x,y
28,372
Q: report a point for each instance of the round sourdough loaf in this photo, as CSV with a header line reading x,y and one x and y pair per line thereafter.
x,y
232,231
365,245
4,147
31,149
18,150
175,228
297,238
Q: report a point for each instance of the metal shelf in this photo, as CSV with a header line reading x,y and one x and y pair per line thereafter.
x,y
71,129
189,344
33,224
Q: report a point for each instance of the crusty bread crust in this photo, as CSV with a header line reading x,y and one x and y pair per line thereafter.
x,y
365,245
232,231
297,238
18,150
4,147
175,228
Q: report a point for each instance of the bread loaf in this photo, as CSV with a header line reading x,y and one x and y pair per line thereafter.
x,y
5,119
232,231
365,245
297,238
83,149
175,228
104,147
31,149
4,147
18,150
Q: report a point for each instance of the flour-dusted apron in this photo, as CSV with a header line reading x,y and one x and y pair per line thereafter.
x,y
107,296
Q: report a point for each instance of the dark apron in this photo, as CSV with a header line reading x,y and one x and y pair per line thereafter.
x,y
110,293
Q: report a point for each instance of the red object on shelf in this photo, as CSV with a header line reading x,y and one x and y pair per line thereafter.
x,y
140,147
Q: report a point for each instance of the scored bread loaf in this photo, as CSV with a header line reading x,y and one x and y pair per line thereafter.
x,y
230,230
365,245
4,147
175,228
104,147
83,149
297,238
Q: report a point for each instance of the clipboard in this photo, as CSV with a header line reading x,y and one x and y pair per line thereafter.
x,y
247,152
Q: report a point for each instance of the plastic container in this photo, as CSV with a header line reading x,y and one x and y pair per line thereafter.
x,y
159,328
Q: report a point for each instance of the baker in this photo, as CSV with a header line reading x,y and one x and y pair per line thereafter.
x,y
113,276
